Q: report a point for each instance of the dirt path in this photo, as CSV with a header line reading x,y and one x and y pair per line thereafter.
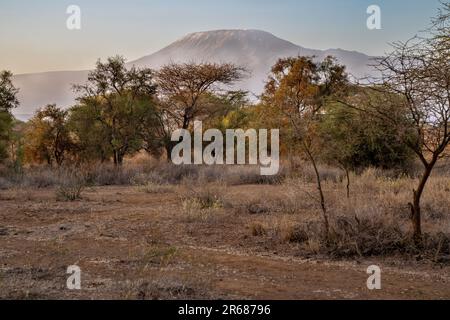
x,y
134,246
215,273
270,277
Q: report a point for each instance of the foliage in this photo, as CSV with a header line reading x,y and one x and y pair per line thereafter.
x,y
120,103
6,124
357,141
299,88
8,101
417,71
191,90
8,93
47,138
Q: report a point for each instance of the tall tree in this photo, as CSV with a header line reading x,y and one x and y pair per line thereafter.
x,y
186,89
122,100
91,139
419,72
300,88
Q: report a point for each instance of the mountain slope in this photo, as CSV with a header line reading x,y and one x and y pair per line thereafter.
x,y
39,89
255,50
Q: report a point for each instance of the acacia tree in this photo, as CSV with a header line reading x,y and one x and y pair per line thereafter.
x,y
91,139
186,91
418,71
47,138
184,88
300,88
121,100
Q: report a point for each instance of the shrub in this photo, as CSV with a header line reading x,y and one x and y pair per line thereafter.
x,y
5,184
174,174
256,207
40,177
206,198
70,186
246,175
203,204
109,175
154,188
367,237
257,229
160,255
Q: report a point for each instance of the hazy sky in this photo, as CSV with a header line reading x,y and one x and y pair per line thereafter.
x,y
34,37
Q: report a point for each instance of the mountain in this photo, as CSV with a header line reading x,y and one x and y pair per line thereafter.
x,y
255,50
39,89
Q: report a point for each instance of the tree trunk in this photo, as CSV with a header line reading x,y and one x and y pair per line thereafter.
x,y
169,145
321,195
415,205
187,118
120,159
116,158
348,182
416,217
119,155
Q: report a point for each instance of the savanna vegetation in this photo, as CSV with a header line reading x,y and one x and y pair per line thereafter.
x,y
364,170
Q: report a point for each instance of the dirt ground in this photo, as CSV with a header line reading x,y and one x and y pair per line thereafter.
x,y
131,244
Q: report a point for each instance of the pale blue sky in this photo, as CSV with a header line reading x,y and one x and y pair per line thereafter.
x,y
34,37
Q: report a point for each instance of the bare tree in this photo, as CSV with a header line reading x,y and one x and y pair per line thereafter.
x,y
416,78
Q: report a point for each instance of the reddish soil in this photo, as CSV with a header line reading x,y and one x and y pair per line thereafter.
x,y
134,245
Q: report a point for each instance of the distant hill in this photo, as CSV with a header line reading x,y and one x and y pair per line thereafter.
x,y
254,49
40,89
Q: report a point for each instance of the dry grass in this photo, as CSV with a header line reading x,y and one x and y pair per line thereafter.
x,y
70,185
257,229
155,188
159,173
203,204
374,220
171,288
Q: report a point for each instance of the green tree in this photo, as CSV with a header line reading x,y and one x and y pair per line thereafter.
x,y
47,138
16,145
8,93
6,125
121,101
354,140
91,140
357,140
8,101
